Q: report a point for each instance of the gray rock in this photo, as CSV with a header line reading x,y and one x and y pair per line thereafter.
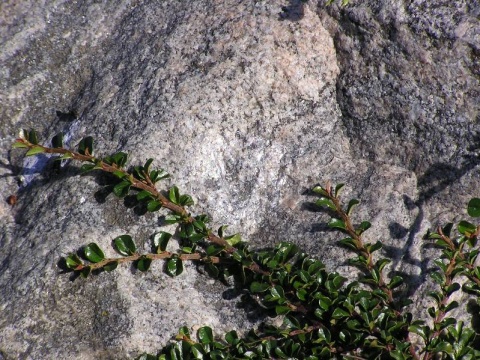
x,y
247,106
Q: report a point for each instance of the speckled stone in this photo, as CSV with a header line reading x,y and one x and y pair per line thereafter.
x,y
247,106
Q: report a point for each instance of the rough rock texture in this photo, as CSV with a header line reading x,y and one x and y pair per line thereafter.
x,y
247,106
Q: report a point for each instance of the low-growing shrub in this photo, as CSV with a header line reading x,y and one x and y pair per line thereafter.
x,y
325,315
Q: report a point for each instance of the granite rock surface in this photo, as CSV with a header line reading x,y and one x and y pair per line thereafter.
x,y
247,105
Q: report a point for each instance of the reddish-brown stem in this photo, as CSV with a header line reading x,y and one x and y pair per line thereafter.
x,y
146,185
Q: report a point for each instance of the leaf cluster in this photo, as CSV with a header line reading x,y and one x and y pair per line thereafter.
x,y
324,315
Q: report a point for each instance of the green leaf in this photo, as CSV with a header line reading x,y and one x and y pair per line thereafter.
x,y
231,337
233,239
282,310
451,306
174,266
65,156
154,205
422,331
185,200
122,189
174,195
57,140
466,228
87,167
302,294
349,242
35,150
338,189
445,347
380,264
337,224
351,204
395,282
86,271
205,335
213,250
147,165
364,226
320,190
375,247
143,264
473,208
93,253
257,287
85,147
125,245
324,202
73,261
339,313
19,144
33,137
172,219
111,266
160,241
144,194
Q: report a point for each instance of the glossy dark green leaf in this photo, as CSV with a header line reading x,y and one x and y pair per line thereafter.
x,y
174,195
35,150
452,288
473,207
438,277
466,228
395,282
282,310
142,195
87,167
452,305
143,264
422,331
185,200
337,224
33,137
174,266
349,242
85,147
338,189
122,188
302,294
111,266
258,287
172,219
213,250
233,239
125,245
339,313
364,226
160,241
73,261
445,347
351,204
375,247
205,335
85,272
147,165
57,140
320,190
18,144
381,263
154,205
324,202
231,337
93,253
